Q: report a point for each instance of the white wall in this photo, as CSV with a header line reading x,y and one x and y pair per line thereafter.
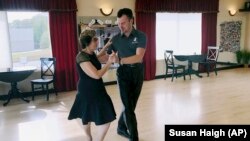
x,y
91,7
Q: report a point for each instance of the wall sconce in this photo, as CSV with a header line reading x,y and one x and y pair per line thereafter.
x,y
106,12
232,12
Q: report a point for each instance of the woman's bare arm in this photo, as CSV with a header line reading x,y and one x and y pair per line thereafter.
x,y
91,71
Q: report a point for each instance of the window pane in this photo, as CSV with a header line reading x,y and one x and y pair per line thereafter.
x,y
178,32
29,37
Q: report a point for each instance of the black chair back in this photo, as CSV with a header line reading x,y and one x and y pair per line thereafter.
x,y
212,53
169,59
48,68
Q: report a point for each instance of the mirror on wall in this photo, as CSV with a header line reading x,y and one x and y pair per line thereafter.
x,y
105,27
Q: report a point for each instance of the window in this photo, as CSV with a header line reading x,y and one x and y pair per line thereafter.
x,y
29,37
178,32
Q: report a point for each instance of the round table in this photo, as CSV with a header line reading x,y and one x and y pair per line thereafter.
x,y
191,59
13,76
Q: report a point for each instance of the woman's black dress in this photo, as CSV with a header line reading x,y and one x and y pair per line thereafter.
x,y
92,103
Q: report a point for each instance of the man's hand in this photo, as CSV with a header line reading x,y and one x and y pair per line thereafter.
x,y
135,58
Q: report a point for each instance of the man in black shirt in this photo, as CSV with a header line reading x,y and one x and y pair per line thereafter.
x,y
130,45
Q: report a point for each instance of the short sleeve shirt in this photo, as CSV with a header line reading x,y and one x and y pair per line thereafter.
x,y
126,46
82,57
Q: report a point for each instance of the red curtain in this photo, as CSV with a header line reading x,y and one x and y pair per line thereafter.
x,y
146,23
63,30
177,5
38,5
209,31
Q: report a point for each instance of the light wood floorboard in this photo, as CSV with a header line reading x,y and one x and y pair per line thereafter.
x,y
222,99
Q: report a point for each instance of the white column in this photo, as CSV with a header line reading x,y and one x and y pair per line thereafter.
x,y
5,51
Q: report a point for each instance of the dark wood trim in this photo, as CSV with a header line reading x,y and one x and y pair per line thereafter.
x,y
244,10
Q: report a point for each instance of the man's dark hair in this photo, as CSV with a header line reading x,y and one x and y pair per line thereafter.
x,y
125,11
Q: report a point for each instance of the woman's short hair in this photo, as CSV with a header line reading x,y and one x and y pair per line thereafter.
x,y
86,37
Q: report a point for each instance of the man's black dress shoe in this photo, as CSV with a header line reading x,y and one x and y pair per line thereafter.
x,y
123,133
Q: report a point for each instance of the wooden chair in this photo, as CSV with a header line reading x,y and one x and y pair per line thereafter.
x,y
170,65
48,67
211,59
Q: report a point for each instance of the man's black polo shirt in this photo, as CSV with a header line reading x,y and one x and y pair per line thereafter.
x,y
126,46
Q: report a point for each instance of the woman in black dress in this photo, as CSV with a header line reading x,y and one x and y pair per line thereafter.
x,y
92,103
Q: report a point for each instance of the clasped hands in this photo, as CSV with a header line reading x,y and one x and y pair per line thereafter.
x,y
112,56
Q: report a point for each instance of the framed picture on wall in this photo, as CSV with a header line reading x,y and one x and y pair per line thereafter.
x,y
104,33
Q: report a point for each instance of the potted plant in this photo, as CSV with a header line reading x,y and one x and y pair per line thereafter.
x,y
248,58
245,58
239,56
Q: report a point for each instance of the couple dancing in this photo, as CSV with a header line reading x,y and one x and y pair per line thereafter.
x,y
92,103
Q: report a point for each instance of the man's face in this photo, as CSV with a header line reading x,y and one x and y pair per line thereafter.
x,y
125,24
